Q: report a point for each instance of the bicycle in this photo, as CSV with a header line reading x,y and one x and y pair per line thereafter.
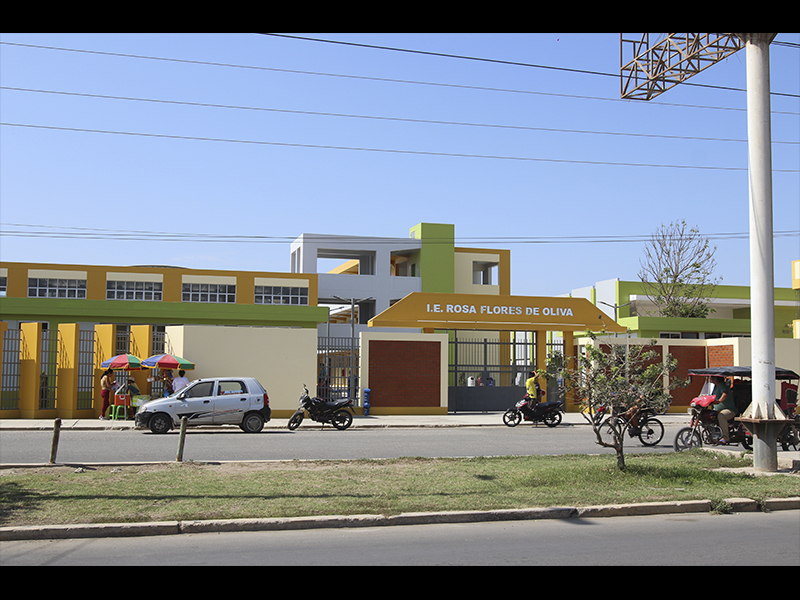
x,y
650,430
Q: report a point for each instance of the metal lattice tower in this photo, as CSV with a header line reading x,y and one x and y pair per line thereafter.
x,y
648,70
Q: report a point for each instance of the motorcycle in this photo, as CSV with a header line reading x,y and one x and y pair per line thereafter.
x,y
334,412
548,413
705,429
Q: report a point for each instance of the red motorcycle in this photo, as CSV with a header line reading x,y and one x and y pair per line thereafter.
x,y
705,429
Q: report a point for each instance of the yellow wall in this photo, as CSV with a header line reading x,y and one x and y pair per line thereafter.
x,y
171,278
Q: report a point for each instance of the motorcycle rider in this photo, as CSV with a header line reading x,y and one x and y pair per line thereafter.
x,y
532,387
724,405
534,395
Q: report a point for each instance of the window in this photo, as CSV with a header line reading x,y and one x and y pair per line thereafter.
x,y
484,273
201,390
231,387
3,286
56,288
209,292
265,294
134,290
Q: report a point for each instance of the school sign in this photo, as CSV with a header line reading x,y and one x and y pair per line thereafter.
x,y
495,313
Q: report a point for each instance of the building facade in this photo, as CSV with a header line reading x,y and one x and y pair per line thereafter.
x,y
628,303
50,314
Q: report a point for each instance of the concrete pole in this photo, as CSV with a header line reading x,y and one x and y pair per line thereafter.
x,y
762,287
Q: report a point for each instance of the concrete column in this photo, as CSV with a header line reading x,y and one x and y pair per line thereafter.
x,y
762,286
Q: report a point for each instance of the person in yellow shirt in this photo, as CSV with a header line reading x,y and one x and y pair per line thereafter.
x,y
532,387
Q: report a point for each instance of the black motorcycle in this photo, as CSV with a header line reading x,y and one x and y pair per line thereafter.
x,y
335,412
548,413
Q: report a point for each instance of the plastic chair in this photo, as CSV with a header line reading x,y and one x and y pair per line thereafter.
x,y
119,410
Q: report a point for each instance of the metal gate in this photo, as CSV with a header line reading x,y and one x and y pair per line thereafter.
x,y
489,374
48,377
86,347
9,386
338,368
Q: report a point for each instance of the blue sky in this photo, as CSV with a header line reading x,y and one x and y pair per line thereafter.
x,y
257,139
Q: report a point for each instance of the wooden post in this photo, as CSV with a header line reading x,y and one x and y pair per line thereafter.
x,y
179,458
54,444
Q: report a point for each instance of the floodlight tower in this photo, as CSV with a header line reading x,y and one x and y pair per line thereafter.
x,y
656,68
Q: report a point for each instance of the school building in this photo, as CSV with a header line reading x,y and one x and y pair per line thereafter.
x,y
422,326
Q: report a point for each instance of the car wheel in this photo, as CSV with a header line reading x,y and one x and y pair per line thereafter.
x,y
160,423
252,423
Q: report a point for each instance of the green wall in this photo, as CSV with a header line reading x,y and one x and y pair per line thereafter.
x,y
436,259
57,311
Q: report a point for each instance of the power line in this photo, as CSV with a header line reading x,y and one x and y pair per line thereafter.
x,y
504,62
88,233
378,117
379,79
383,150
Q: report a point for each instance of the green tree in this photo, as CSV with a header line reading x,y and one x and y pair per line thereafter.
x,y
677,271
619,377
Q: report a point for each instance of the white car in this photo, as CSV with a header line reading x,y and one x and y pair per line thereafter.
x,y
241,401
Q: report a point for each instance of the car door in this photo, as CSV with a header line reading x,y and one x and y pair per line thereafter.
x,y
197,403
231,402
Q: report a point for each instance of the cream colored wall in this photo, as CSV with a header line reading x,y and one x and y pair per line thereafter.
x,y
281,359
442,338
787,352
463,273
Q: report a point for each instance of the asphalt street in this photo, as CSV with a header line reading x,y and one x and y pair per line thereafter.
x,y
770,539
444,436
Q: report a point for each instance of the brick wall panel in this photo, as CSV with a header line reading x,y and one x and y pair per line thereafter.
x,y
404,374
688,357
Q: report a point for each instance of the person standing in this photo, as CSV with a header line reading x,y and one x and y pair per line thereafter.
x,y
180,382
107,385
166,377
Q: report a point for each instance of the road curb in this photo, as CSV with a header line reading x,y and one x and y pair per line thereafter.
x,y
104,530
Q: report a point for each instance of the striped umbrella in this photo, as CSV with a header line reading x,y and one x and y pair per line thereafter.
x,y
168,361
123,362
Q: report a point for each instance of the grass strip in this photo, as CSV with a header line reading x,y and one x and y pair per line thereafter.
x,y
185,491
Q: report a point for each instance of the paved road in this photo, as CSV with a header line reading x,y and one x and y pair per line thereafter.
x,y
309,443
751,539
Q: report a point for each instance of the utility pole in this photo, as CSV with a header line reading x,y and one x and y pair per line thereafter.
x,y
660,66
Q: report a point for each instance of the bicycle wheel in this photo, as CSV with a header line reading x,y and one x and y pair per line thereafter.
x,y
686,439
651,432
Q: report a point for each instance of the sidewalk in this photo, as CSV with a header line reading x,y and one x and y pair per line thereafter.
x,y
466,419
